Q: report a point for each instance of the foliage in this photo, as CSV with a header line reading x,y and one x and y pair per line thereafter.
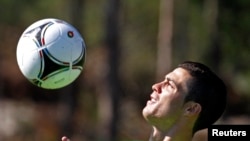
x,y
138,25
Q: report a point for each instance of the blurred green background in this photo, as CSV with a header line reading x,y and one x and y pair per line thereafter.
x,y
130,45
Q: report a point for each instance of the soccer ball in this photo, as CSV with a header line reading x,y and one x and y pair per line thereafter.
x,y
51,53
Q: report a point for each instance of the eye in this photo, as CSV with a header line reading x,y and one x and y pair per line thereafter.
x,y
168,85
171,84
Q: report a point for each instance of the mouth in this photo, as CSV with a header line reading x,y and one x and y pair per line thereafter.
x,y
152,100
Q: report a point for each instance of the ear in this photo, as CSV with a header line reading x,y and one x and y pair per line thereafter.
x,y
192,109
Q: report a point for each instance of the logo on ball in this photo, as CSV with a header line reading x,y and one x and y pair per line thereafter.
x,y
70,34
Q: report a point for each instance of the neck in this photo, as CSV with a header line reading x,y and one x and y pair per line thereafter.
x,y
177,132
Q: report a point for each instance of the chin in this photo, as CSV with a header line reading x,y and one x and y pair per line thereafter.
x,y
147,112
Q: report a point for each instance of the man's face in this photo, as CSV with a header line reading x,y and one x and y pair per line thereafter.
x,y
166,100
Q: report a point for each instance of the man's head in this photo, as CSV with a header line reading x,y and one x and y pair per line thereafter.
x,y
191,90
207,89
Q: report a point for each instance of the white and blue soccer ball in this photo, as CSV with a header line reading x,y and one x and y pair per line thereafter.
x,y
51,53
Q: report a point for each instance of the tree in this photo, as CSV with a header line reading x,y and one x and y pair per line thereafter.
x,y
164,49
109,95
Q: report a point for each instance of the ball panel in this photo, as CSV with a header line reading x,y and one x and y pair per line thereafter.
x,y
38,25
66,49
73,37
60,78
80,61
29,58
60,51
50,34
33,64
78,50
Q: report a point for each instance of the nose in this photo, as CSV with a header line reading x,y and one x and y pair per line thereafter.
x,y
157,87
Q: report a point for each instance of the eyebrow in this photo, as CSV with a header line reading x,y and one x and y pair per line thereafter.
x,y
169,79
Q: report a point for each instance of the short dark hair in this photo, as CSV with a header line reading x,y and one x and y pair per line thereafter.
x,y
207,89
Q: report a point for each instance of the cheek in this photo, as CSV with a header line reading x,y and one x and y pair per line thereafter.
x,y
164,107
171,104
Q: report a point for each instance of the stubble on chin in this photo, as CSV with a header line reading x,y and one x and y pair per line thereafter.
x,y
147,112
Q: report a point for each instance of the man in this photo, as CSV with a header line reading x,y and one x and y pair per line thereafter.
x,y
190,98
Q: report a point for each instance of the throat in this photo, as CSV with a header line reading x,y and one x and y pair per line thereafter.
x,y
173,134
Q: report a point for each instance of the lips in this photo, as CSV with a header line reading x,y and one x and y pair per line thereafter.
x,y
153,99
